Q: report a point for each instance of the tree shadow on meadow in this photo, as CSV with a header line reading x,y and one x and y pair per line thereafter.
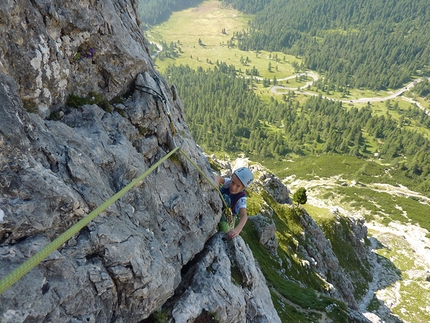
x,y
385,275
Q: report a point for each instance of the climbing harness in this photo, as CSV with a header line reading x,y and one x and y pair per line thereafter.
x,y
233,198
229,206
29,264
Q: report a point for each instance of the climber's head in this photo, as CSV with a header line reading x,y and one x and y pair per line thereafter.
x,y
244,175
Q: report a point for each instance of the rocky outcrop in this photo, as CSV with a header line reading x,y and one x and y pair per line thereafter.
x,y
274,186
55,48
313,247
225,281
127,262
266,231
320,254
140,254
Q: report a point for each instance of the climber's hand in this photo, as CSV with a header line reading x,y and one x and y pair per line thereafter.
x,y
233,233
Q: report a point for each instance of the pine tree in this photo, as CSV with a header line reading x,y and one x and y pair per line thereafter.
x,y
300,197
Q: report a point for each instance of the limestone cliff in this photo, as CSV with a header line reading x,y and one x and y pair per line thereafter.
x,y
54,48
157,246
54,170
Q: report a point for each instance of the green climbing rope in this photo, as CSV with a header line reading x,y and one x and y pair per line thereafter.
x,y
205,176
29,264
226,210
19,272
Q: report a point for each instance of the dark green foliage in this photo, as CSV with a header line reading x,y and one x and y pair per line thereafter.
x,y
117,100
157,317
153,12
248,6
236,276
75,101
422,88
374,304
169,51
225,115
30,105
371,43
300,197
55,116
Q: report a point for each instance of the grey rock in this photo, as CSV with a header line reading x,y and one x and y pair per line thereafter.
x,y
266,231
274,186
227,281
55,48
127,262
320,255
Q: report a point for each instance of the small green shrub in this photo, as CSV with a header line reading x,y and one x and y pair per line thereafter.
x,y
158,317
55,115
374,305
142,130
30,105
121,113
100,100
236,276
176,159
117,100
76,101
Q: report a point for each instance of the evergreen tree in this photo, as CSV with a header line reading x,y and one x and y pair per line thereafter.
x,y
300,197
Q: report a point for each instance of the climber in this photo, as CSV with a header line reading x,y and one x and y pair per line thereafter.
x,y
233,191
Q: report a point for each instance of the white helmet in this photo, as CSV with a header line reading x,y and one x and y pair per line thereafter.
x,y
244,175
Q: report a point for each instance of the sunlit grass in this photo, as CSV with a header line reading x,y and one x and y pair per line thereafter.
x,y
206,23
411,292
288,290
319,213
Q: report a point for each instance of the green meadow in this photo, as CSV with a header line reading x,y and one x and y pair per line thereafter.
x,y
206,34
207,23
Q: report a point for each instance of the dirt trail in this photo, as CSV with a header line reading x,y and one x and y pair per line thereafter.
x,y
276,88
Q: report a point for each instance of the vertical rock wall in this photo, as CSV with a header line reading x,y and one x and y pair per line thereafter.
x,y
127,262
54,48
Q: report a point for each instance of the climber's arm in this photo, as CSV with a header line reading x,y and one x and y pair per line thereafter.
x,y
238,229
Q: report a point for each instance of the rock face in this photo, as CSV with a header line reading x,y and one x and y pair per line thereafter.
x,y
156,245
266,231
54,48
225,270
274,186
127,262
323,259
